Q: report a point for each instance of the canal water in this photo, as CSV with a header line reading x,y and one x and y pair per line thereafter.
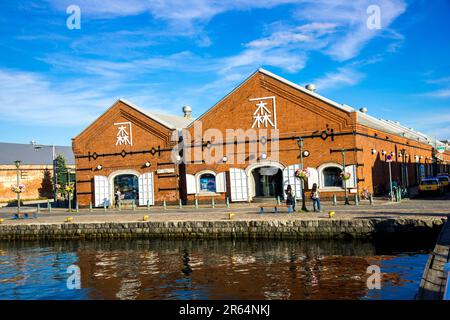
x,y
212,269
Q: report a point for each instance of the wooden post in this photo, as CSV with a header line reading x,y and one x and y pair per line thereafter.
x,y
38,208
213,204
164,204
334,200
356,200
148,204
90,206
49,206
196,203
228,202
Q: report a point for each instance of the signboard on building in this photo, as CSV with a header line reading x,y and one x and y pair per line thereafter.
x,y
163,171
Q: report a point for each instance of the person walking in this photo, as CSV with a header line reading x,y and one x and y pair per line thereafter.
x,y
315,198
290,198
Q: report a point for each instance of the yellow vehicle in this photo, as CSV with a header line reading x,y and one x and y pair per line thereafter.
x,y
444,180
430,185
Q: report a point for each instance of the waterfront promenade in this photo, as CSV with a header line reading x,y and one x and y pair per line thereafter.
x,y
363,221
425,208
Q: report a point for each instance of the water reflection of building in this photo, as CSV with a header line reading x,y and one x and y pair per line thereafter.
x,y
225,270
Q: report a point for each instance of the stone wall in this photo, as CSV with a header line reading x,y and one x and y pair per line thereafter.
x,y
296,229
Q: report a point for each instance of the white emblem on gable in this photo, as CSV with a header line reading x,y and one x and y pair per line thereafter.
x,y
124,134
266,113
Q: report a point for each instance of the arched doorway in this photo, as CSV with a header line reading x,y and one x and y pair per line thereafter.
x,y
268,182
127,182
128,186
265,180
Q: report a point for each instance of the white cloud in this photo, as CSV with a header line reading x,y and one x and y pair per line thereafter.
x,y
351,18
442,93
345,76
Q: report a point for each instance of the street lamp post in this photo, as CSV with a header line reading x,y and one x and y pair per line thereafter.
x,y
300,144
17,163
68,188
345,181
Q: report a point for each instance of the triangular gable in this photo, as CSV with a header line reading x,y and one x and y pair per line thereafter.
x,y
335,104
155,126
131,105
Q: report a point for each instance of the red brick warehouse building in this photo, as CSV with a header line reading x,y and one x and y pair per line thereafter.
x,y
246,146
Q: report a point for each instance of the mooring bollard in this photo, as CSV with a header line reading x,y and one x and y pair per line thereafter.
x,y
38,208
334,200
213,204
371,199
228,202
278,200
90,206
196,203
164,204
148,204
356,200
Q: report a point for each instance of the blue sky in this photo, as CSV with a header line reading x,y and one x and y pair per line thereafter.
x,y
162,55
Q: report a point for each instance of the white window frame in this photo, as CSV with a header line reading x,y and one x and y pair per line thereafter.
x,y
197,181
322,178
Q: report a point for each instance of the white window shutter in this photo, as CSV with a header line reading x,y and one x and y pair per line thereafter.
x,y
313,177
351,183
238,185
191,184
145,182
101,191
221,182
289,178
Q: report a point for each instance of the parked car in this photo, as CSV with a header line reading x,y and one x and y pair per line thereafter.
x,y
430,186
444,180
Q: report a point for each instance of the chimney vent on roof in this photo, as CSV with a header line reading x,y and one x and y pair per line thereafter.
x,y
311,87
363,110
187,110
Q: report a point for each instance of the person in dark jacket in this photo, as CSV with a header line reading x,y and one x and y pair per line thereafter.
x,y
290,197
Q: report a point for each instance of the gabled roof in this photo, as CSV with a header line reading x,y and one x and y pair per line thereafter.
x,y
171,122
26,153
387,126
335,104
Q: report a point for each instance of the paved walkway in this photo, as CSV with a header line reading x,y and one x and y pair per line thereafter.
x,y
433,207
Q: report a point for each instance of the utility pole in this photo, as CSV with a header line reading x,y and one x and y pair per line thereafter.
x,y
17,163
300,144
36,148
345,181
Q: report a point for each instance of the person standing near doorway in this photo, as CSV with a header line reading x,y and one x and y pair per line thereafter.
x,y
117,196
315,198
290,198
